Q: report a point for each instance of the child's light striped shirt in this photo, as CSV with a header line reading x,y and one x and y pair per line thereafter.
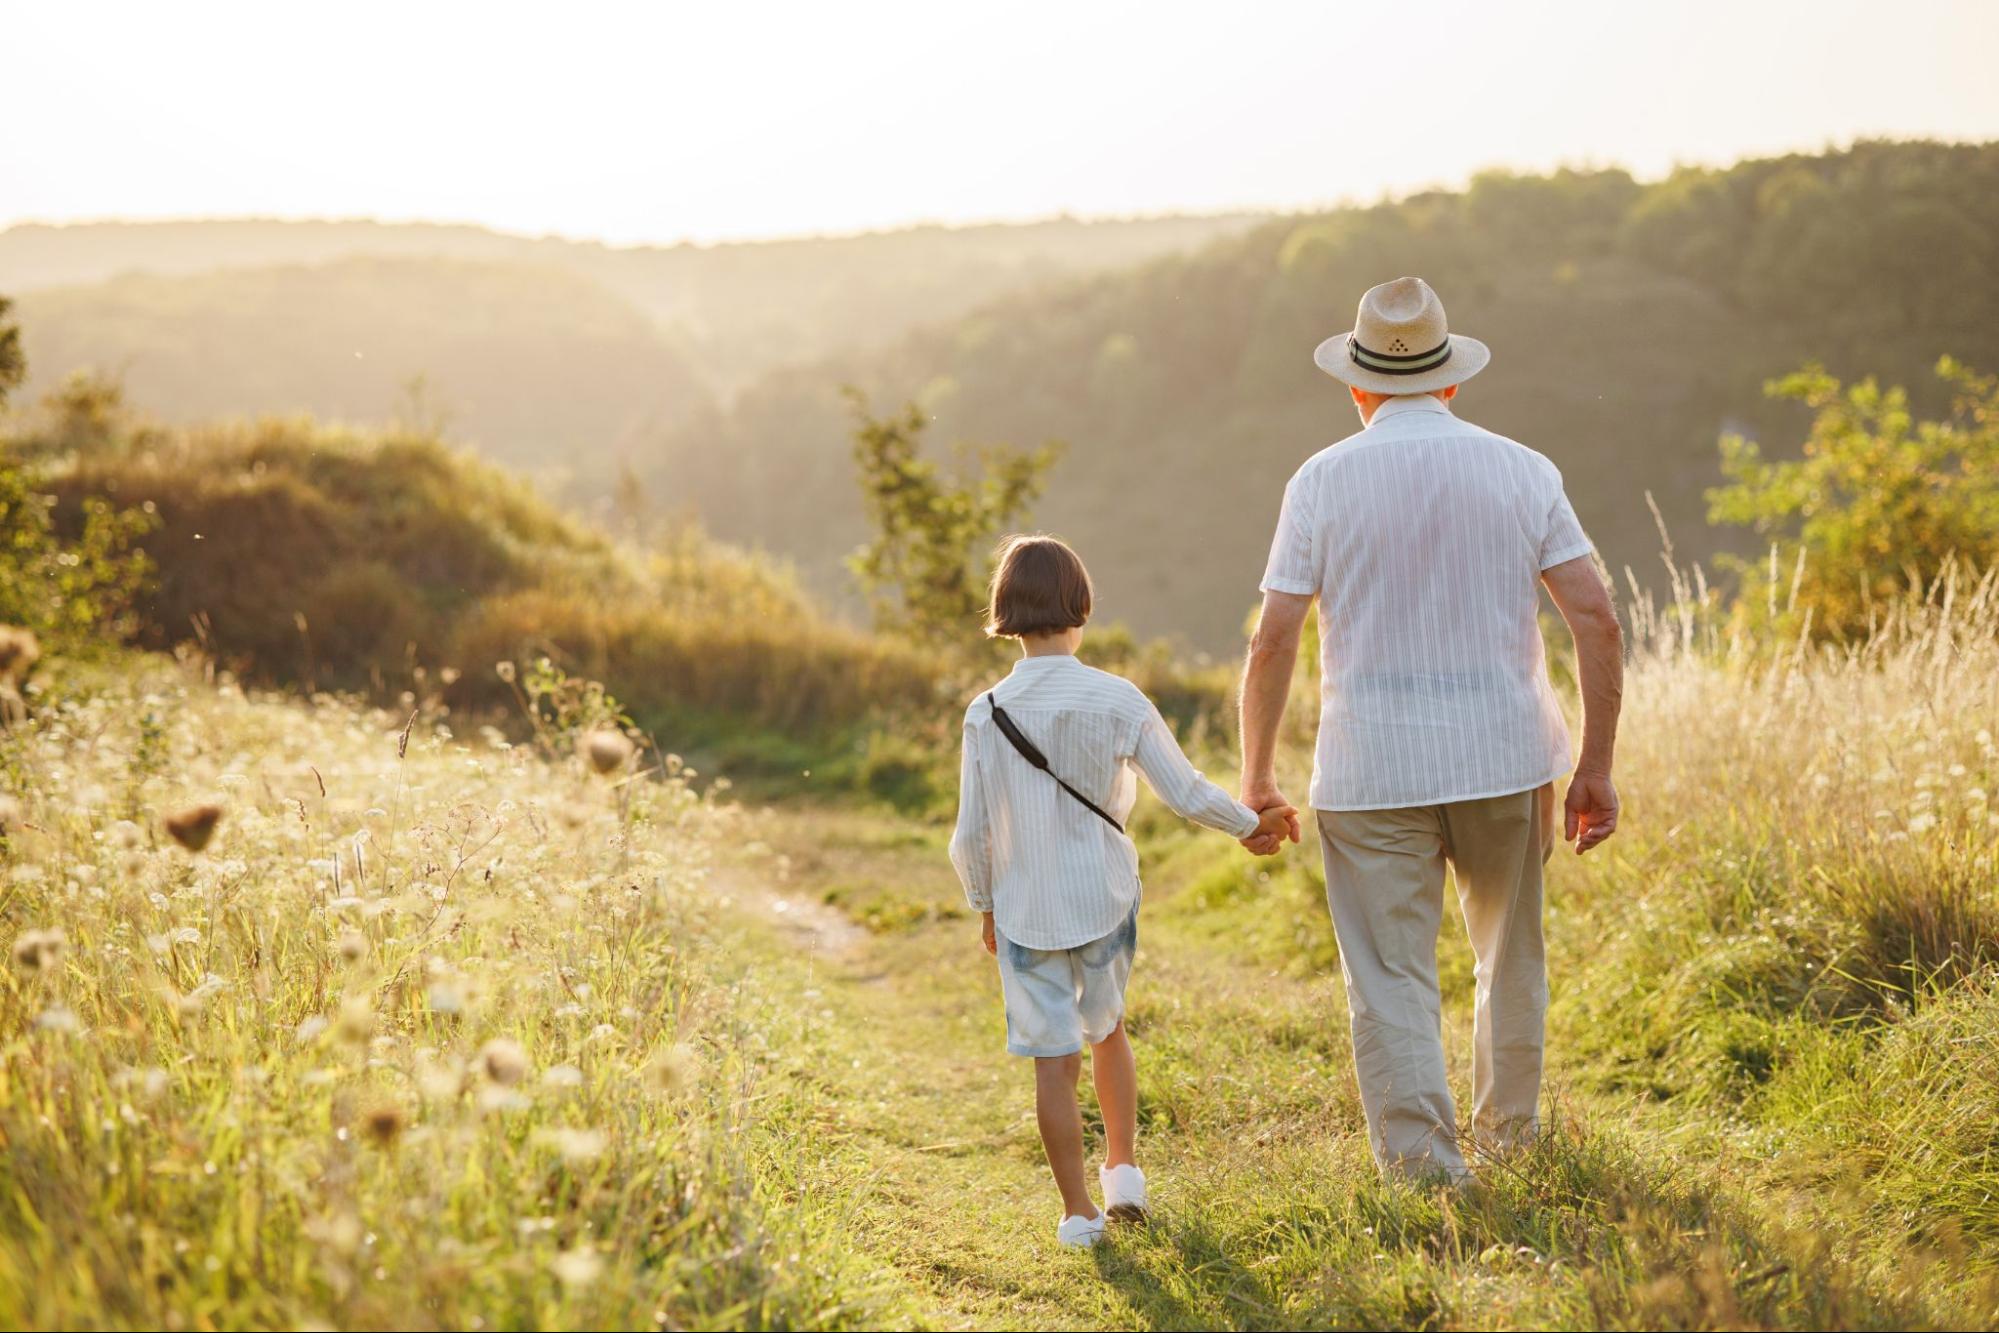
x,y
1053,874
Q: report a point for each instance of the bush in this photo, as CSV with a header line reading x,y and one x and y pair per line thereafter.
x,y
1879,503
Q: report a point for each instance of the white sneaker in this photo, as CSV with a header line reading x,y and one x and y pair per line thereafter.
x,y
1124,1192
1080,1231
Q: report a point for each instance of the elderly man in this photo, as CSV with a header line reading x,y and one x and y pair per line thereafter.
x,y
1425,541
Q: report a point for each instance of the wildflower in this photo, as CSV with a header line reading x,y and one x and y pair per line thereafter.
x,y
1922,823
39,950
673,1069
58,1018
357,1017
127,835
574,1146
608,751
311,1029
503,1061
194,826
578,1267
505,671
562,1076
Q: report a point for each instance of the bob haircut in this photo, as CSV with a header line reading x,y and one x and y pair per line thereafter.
x,y
1039,587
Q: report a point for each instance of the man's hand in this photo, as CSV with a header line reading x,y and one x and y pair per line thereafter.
x,y
1590,811
988,935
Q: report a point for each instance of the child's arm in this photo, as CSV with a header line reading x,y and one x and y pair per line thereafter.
x,y
972,840
1182,786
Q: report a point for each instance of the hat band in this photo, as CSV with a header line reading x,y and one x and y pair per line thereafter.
x,y
1383,364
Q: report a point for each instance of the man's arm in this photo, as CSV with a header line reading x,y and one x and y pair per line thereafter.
x,y
1584,600
1266,686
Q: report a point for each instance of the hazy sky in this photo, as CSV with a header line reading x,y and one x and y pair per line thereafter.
x,y
731,118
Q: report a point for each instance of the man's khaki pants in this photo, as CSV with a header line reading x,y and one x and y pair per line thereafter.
x,y
1385,885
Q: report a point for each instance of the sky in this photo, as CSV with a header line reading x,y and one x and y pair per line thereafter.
x,y
738,119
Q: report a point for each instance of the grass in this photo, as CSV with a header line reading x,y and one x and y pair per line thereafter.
x,y
767,1085
427,1036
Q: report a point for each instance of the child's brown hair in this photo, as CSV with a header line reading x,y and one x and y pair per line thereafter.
x,y
1039,587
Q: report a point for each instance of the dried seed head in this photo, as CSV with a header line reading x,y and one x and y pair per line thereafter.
x,y
12,816
19,650
608,751
194,826
673,1069
505,671
353,946
39,950
382,1122
503,1061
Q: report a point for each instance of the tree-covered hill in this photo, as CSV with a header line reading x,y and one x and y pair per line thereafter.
x,y
1631,325
737,309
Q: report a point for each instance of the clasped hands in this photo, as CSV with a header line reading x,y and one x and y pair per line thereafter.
x,y
1276,818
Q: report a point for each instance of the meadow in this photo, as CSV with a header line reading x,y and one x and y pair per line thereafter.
x,y
444,1030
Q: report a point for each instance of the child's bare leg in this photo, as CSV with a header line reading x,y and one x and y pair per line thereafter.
x,y
1116,1073
1062,1128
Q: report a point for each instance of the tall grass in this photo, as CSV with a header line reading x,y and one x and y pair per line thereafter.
x,y
426,1036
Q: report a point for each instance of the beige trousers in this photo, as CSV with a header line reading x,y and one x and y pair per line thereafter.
x,y
1385,885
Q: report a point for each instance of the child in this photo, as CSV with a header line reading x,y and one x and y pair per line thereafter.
x,y
1043,855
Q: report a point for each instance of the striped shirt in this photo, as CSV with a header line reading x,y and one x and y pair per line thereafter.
x,y
1053,874
1423,538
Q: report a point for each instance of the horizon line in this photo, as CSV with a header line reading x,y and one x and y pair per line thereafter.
x,y
1258,210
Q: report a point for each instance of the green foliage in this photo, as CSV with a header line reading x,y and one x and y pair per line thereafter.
x,y
924,571
1631,323
13,363
75,588
1880,502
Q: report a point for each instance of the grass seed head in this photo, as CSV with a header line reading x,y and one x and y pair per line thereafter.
x,y
193,827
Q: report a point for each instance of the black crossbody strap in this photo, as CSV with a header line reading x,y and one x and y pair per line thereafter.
x,y
1032,754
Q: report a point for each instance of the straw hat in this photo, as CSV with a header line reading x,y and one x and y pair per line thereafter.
x,y
1400,344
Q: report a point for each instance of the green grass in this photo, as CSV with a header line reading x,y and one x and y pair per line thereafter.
x,y
768,1085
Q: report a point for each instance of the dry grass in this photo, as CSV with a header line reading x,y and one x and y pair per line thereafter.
x,y
423,1035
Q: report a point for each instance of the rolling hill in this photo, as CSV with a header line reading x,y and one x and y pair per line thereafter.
x,y
737,310
1632,325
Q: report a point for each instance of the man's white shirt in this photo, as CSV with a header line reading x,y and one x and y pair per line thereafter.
x,y
1424,537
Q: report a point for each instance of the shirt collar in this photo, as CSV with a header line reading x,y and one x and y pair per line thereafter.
x,y
1418,402
1042,663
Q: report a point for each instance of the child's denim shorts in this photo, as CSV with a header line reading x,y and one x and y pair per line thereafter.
x,y
1059,999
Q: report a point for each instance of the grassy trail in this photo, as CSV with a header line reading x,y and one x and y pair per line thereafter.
x,y
922,1151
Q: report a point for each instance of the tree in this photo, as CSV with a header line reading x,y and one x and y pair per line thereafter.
x,y
1880,501
924,571
13,362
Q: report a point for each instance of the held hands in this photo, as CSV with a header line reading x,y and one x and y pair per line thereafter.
x,y
1277,818
987,935
1273,826
1590,810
